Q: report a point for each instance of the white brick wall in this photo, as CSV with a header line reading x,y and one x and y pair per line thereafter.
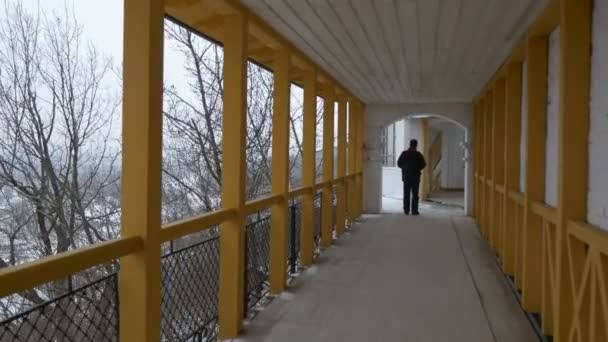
x,y
551,163
523,159
597,208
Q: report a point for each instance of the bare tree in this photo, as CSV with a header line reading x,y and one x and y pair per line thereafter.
x,y
192,160
58,175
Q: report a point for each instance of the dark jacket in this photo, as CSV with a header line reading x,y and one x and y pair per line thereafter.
x,y
411,163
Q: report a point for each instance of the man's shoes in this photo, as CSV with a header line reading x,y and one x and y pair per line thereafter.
x,y
416,213
406,212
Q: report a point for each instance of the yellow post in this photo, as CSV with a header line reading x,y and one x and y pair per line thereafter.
x,y
328,166
487,190
341,186
480,144
535,173
308,167
498,155
426,174
511,167
360,156
141,169
573,145
279,218
352,143
232,232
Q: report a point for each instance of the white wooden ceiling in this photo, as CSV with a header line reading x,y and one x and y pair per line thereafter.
x,y
398,51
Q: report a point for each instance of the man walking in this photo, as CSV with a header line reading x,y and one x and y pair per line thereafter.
x,y
411,163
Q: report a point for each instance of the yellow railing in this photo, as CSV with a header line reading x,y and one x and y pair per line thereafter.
x,y
529,255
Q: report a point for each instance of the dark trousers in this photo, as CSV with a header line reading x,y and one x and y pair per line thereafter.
x,y
410,188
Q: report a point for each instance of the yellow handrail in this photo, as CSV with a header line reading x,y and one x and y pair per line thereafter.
x,y
543,210
31,274
178,229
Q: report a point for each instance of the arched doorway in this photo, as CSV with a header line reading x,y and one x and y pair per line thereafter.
x,y
456,118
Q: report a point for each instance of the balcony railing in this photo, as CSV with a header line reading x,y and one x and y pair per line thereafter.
x,y
190,286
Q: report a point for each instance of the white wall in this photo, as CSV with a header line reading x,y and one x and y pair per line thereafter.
x,y
452,153
551,164
597,208
392,186
523,152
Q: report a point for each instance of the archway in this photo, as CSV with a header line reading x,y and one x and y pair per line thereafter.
x,y
378,117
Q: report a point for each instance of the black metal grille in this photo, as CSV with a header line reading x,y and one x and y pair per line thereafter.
x,y
318,221
190,285
257,261
89,313
295,211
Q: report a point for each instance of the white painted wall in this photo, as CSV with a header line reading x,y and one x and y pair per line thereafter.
x,y
406,129
551,164
523,152
597,208
392,186
452,155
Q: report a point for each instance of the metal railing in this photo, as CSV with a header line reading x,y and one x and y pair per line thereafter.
x,y
189,279
89,313
190,286
257,262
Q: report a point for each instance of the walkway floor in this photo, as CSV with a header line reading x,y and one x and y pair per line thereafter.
x,y
399,278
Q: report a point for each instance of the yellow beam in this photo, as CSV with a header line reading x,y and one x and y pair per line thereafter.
x,y
511,164
308,167
140,278
535,172
232,232
328,167
279,219
573,164
341,172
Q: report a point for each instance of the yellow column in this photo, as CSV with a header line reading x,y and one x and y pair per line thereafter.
x,y
426,174
511,167
535,172
573,145
480,144
232,232
328,166
498,155
308,167
487,190
141,169
279,219
360,155
341,186
352,142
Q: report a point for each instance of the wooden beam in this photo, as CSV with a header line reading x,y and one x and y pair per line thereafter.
x,y
140,279
232,231
575,73
279,219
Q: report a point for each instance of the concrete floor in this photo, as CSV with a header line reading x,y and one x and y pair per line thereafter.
x,y
393,277
455,198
